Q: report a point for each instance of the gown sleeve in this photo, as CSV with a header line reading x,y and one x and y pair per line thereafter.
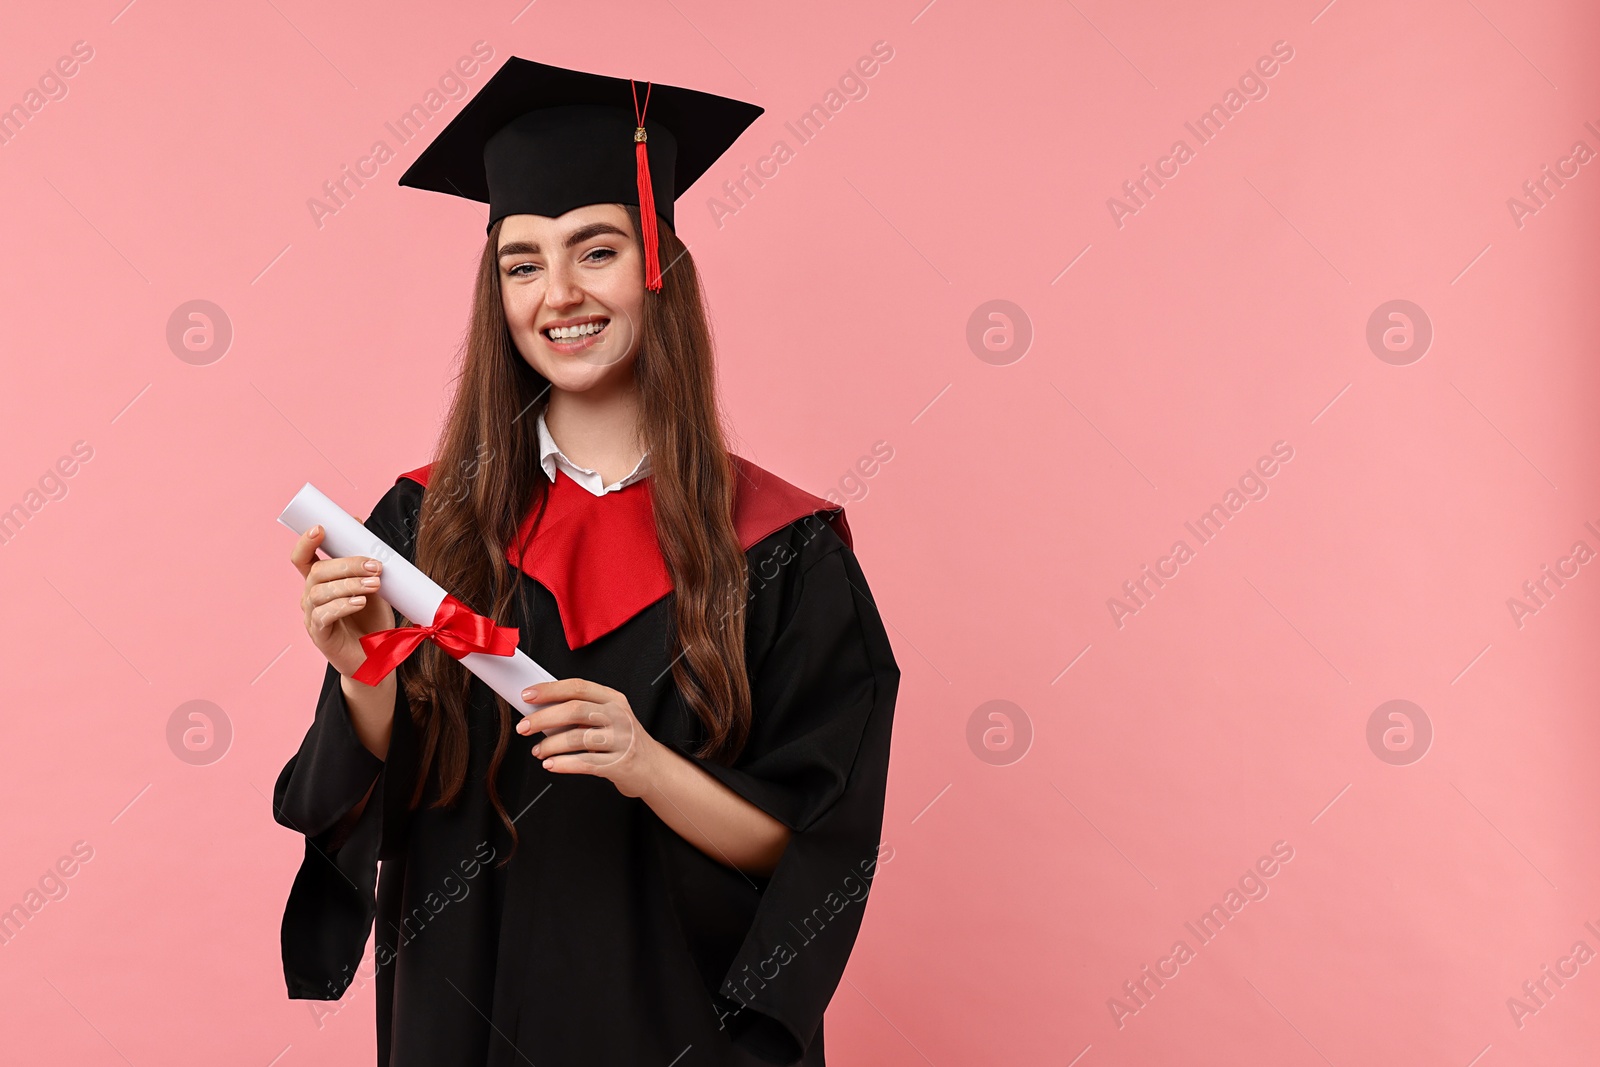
x,y
333,901
823,696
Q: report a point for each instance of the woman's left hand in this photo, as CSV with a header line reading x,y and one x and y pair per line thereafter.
x,y
590,729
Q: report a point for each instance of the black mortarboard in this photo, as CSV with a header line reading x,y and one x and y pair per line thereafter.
x,y
542,140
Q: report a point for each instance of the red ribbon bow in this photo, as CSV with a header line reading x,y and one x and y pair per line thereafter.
x,y
456,629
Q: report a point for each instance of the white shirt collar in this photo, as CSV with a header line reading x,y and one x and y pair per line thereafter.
x,y
551,458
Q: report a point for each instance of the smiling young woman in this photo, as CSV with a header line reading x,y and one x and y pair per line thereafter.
x,y
664,856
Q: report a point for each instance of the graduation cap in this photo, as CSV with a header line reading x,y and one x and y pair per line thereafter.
x,y
542,140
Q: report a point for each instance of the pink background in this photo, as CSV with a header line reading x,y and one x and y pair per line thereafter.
x,y
1165,755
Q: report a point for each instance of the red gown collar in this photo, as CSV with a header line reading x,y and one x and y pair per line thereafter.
x,y
598,555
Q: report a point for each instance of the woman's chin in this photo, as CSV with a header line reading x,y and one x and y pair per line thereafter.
x,y
577,376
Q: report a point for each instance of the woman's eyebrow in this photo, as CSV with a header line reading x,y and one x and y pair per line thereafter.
x,y
582,233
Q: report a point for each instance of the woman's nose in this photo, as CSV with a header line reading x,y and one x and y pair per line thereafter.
x,y
561,289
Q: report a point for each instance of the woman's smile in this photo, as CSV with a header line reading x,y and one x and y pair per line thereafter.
x,y
569,336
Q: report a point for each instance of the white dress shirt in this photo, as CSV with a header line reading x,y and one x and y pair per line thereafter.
x,y
551,457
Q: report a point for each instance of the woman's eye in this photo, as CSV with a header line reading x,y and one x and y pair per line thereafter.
x,y
594,255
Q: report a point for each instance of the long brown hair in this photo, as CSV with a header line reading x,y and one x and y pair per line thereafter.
x,y
486,478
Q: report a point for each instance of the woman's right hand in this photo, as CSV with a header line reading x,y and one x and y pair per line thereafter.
x,y
341,601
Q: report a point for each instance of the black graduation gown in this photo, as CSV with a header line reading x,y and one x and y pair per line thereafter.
x,y
608,938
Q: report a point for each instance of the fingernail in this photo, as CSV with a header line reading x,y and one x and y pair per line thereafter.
x,y
530,693
314,531
374,566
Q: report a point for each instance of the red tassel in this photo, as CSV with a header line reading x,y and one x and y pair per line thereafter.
x,y
647,198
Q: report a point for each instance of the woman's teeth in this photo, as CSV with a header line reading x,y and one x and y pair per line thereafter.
x,y
573,333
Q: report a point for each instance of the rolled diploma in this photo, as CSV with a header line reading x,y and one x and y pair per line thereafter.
x,y
407,589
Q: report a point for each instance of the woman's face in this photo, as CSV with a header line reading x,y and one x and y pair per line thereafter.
x,y
573,291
